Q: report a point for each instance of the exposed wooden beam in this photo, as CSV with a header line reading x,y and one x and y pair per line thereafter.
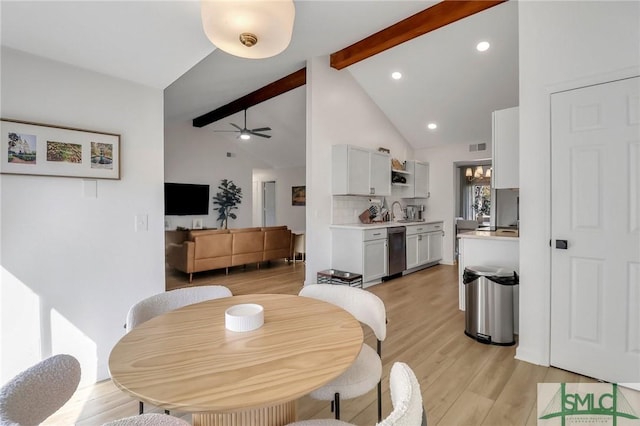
x,y
437,16
271,90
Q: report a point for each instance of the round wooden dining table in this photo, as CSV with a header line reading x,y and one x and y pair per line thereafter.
x,y
186,360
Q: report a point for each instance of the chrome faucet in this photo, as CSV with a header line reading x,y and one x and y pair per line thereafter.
x,y
393,214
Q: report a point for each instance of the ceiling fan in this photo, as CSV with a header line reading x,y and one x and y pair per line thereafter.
x,y
245,133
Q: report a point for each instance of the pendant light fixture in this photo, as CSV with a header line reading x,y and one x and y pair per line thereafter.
x,y
253,29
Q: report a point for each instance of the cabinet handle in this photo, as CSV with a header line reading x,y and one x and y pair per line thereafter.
x,y
419,229
437,227
379,233
419,237
372,191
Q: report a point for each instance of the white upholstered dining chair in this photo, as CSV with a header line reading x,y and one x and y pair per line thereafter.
x,y
149,419
161,303
39,391
366,371
406,399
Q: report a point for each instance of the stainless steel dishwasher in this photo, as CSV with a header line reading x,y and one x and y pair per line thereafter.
x,y
396,237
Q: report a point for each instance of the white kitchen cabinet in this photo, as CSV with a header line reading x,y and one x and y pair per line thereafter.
x,y
435,246
419,180
380,174
417,175
412,251
506,148
362,251
359,171
375,264
423,244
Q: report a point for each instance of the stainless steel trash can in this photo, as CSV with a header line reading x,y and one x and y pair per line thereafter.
x,y
489,304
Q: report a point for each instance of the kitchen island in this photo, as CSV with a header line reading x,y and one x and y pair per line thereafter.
x,y
488,248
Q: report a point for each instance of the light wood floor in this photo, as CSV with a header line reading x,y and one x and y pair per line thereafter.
x,y
463,382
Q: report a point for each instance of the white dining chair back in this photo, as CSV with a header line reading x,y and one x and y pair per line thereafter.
x,y
406,398
366,371
366,307
149,419
161,303
39,391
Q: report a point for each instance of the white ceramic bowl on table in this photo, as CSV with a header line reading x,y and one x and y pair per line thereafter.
x,y
244,317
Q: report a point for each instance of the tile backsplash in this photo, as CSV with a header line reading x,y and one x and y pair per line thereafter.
x,y
346,208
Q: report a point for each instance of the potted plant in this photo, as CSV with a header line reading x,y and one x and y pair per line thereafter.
x,y
227,199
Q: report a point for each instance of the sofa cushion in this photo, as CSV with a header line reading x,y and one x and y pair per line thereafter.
x,y
213,245
200,232
247,241
277,243
241,230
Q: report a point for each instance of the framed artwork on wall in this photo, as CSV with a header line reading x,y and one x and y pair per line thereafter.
x,y
41,149
298,195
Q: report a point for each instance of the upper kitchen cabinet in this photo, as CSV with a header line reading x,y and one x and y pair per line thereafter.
x,y
360,171
506,148
420,174
416,175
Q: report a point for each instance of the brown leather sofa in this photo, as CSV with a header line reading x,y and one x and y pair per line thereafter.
x,y
205,250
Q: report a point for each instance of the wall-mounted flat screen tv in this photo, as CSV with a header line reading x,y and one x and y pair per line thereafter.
x,y
181,199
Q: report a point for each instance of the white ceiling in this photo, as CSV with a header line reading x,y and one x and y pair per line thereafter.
x,y
446,80
162,44
148,42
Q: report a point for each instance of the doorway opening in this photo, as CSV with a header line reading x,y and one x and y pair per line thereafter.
x,y
269,203
475,193
474,196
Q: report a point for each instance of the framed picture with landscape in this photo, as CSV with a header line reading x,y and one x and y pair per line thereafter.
x,y
42,149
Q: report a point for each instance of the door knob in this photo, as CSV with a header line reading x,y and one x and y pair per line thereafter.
x,y
562,244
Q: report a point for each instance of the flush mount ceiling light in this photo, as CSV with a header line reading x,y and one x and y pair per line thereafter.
x,y
432,126
253,29
483,46
396,75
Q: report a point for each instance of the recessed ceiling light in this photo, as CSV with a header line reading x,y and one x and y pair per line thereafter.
x,y
432,126
245,136
396,75
483,46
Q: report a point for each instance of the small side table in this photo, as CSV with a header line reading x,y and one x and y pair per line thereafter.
x,y
334,276
299,247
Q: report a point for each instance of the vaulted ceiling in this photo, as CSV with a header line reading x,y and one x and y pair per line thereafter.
x,y
162,44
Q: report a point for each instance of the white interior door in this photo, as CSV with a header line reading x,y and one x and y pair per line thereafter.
x,y
268,203
595,280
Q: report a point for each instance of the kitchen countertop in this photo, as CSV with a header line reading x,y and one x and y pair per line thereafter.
x,y
379,225
507,234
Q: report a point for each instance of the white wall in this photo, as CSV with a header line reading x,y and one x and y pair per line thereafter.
x,y
563,45
442,186
338,112
71,265
198,155
286,214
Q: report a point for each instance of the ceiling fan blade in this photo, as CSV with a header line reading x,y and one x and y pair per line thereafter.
x,y
229,131
261,135
236,126
261,129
